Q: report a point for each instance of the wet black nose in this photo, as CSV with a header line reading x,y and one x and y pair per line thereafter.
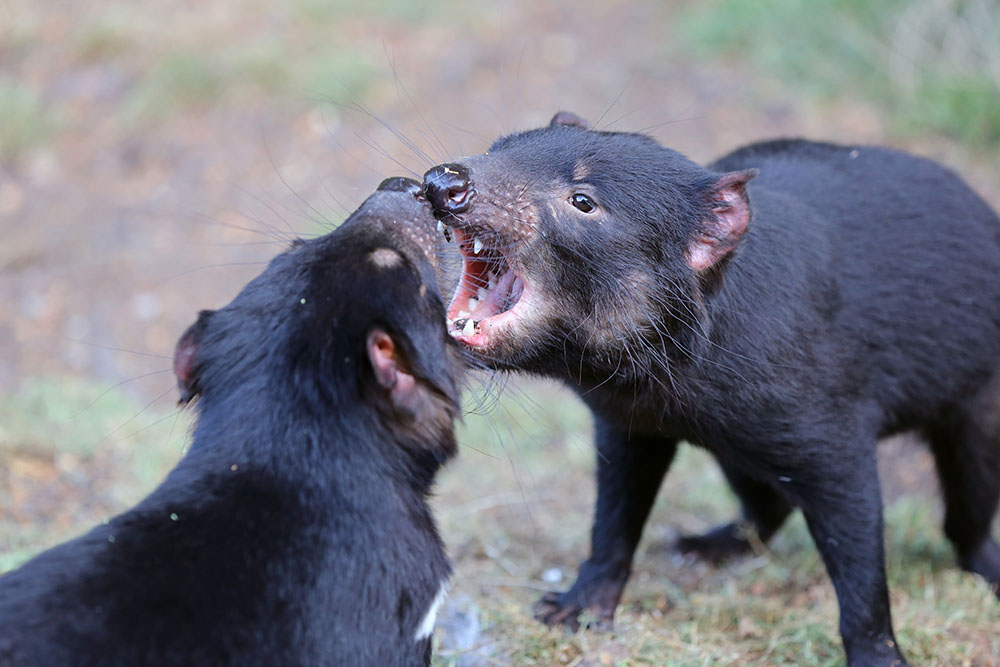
x,y
448,188
400,184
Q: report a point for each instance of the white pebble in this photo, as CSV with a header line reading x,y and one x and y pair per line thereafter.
x,y
553,575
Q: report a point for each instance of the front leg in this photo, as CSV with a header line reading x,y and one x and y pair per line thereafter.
x,y
629,471
842,504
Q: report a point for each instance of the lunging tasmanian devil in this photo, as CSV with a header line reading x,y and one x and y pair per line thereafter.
x,y
785,307
296,530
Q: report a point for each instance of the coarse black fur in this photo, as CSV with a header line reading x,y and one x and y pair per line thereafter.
x,y
295,531
785,308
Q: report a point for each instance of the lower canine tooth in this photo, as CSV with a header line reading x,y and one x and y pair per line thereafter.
x,y
440,227
469,329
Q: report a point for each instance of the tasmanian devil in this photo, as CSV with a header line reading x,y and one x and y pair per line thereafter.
x,y
295,531
784,307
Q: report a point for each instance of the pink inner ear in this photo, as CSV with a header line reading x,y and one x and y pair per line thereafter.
x,y
382,354
568,118
183,359
184,362
725,224
402,386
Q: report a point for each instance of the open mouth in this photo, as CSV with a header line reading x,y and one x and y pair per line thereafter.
x,y
488,293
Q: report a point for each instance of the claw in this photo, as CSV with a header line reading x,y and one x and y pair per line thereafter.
x,y
592,607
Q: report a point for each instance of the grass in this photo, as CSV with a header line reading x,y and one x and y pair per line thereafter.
x,y
75,453
105,37
930,64
282,56
517,506
327,12
24,120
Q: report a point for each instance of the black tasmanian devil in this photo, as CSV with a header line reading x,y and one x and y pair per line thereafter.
x,y
784,307
295,531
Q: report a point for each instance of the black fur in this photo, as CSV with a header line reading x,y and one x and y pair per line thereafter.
x,y
861,300
295,530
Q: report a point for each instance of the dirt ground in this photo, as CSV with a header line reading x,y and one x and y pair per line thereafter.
x,y
117,226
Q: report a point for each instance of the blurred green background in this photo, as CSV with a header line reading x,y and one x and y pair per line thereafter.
x,y
153,155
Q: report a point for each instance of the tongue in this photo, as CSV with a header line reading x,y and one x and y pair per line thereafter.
x,y
498,298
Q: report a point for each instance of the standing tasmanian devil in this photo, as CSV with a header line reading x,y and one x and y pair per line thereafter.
x,y
296,530
785,308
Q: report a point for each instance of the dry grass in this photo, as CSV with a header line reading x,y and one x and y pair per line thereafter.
x,y
530,513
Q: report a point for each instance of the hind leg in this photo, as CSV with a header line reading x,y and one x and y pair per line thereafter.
x,y
966,446
763,512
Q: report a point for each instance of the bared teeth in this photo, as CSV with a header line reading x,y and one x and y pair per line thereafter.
x,y
444,229
484,270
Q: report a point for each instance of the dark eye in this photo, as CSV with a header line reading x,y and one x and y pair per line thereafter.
x,y
583,202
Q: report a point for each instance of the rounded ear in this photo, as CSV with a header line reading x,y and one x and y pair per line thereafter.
x,y
568,119
728,218
391,371
186,358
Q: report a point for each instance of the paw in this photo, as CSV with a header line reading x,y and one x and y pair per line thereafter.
x,y
985,561
717,545
878,653
566,610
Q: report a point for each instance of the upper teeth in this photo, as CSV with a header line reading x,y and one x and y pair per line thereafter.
x,y
473,303
444,229
477,245
482,294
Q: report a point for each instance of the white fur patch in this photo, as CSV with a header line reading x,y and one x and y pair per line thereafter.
x,y
427,625
385,257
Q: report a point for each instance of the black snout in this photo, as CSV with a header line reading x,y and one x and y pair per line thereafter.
x,y
449,189
400,184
